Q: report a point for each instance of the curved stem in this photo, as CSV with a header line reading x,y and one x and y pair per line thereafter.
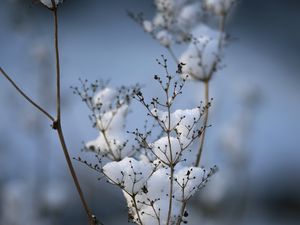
x,y
26,96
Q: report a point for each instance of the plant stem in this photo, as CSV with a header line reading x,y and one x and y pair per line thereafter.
x,y
171,159
57,123
136,208
206,87
170,50
181,213
170,195
58,113
202,137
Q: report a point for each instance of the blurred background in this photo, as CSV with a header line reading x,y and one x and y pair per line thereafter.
x,y
254,138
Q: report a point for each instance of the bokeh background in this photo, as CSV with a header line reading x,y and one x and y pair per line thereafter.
x,y
254,138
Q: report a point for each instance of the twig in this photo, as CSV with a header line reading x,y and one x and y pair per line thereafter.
x,y
26,96
57,123
170,148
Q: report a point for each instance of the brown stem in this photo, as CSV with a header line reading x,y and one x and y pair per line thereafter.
x,y
202,137
73,173
58,113
26,96
57,123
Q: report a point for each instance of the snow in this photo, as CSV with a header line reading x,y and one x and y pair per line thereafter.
x,y
218,7
164,37
188,179
181,120
104,98
202,54
167,152
147,26
129,173
111,111
48,3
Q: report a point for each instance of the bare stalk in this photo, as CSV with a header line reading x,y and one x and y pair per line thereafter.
x,y
181,213
57,123
171,158
206,88
136,208
170,193
58,113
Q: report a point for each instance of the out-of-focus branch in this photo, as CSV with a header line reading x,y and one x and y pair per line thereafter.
x,y
206,86
202,137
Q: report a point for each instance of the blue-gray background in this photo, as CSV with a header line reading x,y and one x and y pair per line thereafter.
x,y
99,41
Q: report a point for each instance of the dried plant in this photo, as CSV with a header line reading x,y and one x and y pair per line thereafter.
x,y
52,5
156,174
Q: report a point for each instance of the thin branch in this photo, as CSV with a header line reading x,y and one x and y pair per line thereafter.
x,y
73,173
170,148
57,123
170,50
26,96
58,113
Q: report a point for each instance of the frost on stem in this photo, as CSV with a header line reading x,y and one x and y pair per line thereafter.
x,y
202,55
156,181
109,109
49,3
